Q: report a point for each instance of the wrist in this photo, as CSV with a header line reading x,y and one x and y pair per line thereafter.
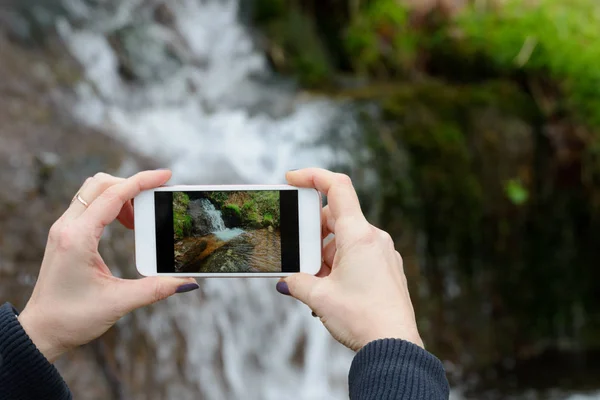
x,y
41,339
415,339
412,337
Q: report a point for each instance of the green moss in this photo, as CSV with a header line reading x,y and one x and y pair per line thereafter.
x,y
442,130
249,210
253,220
218,198
468,168
267,203
552,37
248,207
488,148
266,11
516,192
267,220
380,40
182,221
294,43
232,209
231,215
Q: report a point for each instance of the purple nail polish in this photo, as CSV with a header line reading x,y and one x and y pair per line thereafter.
x,y
282,287
188,287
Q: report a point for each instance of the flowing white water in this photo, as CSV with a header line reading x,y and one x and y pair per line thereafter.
x,y
205,210
212,122
228,233
228,127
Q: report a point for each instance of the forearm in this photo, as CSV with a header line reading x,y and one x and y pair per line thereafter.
x,y
24,372
395,369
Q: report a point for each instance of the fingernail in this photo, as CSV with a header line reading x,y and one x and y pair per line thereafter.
x,y
188,287
282,287
292,170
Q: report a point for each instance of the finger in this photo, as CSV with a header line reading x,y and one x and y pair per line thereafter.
x,y
126,215
341,197
133,294
327,222
345,218
76,207
400,261
329,253
298,286
324,271
107,207
91,189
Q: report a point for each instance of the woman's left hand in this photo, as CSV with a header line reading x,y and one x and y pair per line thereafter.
x,y
76,298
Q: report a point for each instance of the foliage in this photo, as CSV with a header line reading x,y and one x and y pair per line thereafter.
x,y
308,58
218,198
465,168
232,216
265,11
555,37
182,221
248,207
252,208
439,127
253,220
380,38
267,203
262,209
233,208
295,46
488,150
267,220
516,192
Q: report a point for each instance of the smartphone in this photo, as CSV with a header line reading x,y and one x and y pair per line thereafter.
x,y
228,231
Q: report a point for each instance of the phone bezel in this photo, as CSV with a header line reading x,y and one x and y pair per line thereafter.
x,y
309,223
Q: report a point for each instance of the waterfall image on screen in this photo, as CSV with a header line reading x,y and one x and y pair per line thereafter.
x,y
226,232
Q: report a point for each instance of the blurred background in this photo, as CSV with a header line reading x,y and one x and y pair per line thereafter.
x,y
470,129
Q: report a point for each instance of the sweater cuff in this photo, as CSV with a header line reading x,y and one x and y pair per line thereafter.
x,y
397,369
24,371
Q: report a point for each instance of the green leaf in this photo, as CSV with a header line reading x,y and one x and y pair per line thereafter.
x,y
516,192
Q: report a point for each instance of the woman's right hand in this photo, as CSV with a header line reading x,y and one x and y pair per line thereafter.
x,y
361,293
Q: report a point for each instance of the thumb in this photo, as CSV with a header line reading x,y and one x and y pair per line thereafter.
x,y
137,293
298,286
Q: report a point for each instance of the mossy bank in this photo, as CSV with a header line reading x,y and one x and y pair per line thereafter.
x,y
486,145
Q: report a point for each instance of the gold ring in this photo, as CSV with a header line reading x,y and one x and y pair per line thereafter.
x,y
80,199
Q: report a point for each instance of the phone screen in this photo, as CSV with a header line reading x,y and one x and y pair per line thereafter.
x,y
255,231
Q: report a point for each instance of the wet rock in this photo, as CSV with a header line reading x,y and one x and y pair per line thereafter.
x,y
190,252
203,220
164,15
146,53
233,257
266,250
28,22
200,226
17,27
232,216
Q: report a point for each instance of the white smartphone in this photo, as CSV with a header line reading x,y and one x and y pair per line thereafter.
x,y
228,231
